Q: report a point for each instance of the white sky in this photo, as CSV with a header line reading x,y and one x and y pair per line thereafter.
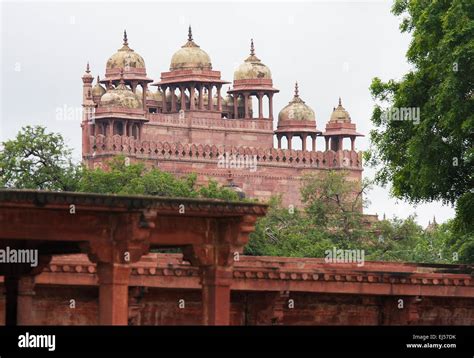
x,y
333,48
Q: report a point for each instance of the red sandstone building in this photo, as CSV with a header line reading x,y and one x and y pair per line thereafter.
x,y
184,126
188,122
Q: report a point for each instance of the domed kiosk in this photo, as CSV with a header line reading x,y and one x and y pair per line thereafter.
x,y
297,119
191,72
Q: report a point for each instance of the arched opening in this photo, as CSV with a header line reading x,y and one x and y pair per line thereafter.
x,y
135,131
118,128
253,106
346,143
297,143
266,106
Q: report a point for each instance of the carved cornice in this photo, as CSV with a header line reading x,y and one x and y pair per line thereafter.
x,y
272,271
129,202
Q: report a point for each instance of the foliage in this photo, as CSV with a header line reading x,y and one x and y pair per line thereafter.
x,y
432,159
36,159
330,218
135,179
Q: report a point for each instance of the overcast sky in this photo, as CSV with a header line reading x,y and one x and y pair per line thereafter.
x,y
331,48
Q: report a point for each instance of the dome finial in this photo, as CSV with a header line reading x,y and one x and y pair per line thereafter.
x,y
190,33
98,79
296,89
125,39
340,102
252,48
88,69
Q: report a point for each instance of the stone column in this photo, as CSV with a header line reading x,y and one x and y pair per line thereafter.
x,y
11,299
219,100
25,311
353,143
236,110
111,128
113,293
163,101
246,105
192,106
270,104
210,105
279,141
339,143
183,98
173,99
216,284
140,131
260,105
144,89
303,139
327,143
215,259
201,98
314,143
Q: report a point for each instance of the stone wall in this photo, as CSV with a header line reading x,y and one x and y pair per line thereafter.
x,y
276,170
265,291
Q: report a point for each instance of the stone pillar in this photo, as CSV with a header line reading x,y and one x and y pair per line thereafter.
x,y
314,142
144,89
25,311
140,131
236,110
113,293
353,143
216,284
303,139
290,139
219,99
201,98
11,299
340,141
192,106
173,99
279,141
163,101
209,98
246,105
270,104
327,143
260,105
111,128
183,98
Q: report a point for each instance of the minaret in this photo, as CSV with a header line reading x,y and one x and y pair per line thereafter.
x,y
88,107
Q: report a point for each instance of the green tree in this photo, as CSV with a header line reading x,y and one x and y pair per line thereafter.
x,y
136,179
331,217
36,159
431,159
